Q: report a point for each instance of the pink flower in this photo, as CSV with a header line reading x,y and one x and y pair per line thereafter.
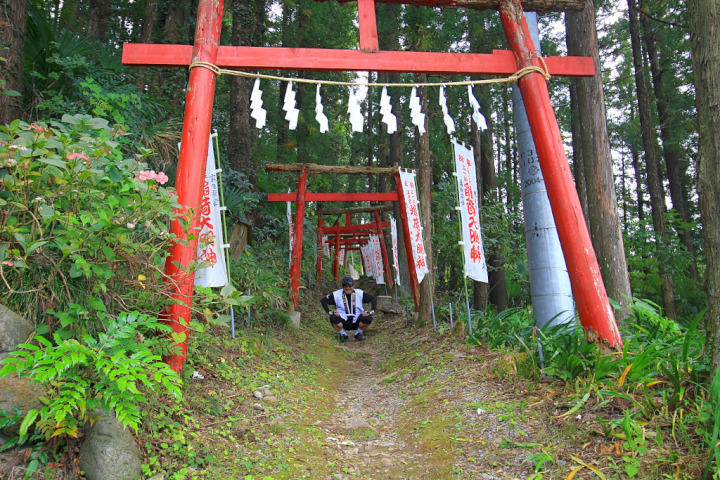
x,y
6,262
144,175
161,178
72,156
36,129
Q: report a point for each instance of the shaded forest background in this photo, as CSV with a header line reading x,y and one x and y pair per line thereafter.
x,y
632,132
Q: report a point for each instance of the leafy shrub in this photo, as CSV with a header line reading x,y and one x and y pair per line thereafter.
x,y
113,371
81,223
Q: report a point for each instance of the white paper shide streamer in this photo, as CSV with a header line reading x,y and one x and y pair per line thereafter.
x,y
356,117
292,113
256,109
475,266
477,116
388,118
393,229
413,218
319,114
449,122
416,115
210,243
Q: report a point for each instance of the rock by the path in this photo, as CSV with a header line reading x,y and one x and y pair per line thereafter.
x,y
14,330
294,317
109,451
18,392
385,304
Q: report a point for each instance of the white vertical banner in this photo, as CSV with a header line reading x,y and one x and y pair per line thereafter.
x,y
367,260
377,256
393,229
291,227
475,266
413,216
210,238
341,256
325,245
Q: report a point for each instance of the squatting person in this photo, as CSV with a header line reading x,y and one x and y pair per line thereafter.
x,y
349,312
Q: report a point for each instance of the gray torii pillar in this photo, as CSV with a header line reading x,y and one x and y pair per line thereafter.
x,y
550,287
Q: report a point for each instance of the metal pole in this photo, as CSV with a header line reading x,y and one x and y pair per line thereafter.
x,y
467,304
189,176
451,317
232,321
432,307
592,301
550,288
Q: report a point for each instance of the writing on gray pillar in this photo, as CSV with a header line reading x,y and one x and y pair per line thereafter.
x,y
532,179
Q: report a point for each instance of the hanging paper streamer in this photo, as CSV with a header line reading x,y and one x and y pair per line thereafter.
x,y
477,116
449,122
211,235
413,218
256,110
341,256
356,116
289,107
393,229
388,118
475,266
416,115
319,114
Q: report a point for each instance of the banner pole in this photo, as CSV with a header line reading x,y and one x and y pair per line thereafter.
x,y
462,243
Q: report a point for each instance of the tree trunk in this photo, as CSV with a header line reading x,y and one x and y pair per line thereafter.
x,y
577,148
247,30
480,289
13,24
671,146
98,16
638,173
146,37
704,20
605,227
657,196
424,186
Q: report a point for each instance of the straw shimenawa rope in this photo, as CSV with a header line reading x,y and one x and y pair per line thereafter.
x,y
514,78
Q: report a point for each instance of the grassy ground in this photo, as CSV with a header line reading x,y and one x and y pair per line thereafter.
x,y
407,403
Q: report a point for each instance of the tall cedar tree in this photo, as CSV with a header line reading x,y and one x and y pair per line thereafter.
x,y
657,195
602,207
13,23
704,20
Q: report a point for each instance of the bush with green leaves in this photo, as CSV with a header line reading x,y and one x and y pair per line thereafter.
x,y
113,371
83,227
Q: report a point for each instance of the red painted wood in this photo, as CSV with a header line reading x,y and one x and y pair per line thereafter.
x,y
335,197
499,62
587,284
297,238
319,248
350,241
415,287
368,26
383,249
370,227
190,173
337,257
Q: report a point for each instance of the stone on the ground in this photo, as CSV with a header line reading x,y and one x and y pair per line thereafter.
x,y
18,392
385,304
109,451
14,330
294,317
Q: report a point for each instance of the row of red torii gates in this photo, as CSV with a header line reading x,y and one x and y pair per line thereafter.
x,y
353,234
596,314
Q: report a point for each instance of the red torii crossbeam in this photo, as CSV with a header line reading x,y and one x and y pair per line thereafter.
x,y
590,294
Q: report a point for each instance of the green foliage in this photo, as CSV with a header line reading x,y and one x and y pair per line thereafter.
x,y
114,370
79,225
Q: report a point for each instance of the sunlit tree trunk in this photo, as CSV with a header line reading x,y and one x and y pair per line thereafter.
x,y
704,20
657,196
146,37
605,227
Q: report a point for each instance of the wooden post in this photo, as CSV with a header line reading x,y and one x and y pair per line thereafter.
x,y
383,249
593,305
320,248
368,26
189,177
298,238
406,237
337,256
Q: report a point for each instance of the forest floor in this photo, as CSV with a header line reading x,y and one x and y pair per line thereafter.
x,y
408,403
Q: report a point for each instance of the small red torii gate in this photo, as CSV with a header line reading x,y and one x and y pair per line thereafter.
x,y
302,195
205,55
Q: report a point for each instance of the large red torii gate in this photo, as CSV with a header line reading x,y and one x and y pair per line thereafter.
x,y
591,297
